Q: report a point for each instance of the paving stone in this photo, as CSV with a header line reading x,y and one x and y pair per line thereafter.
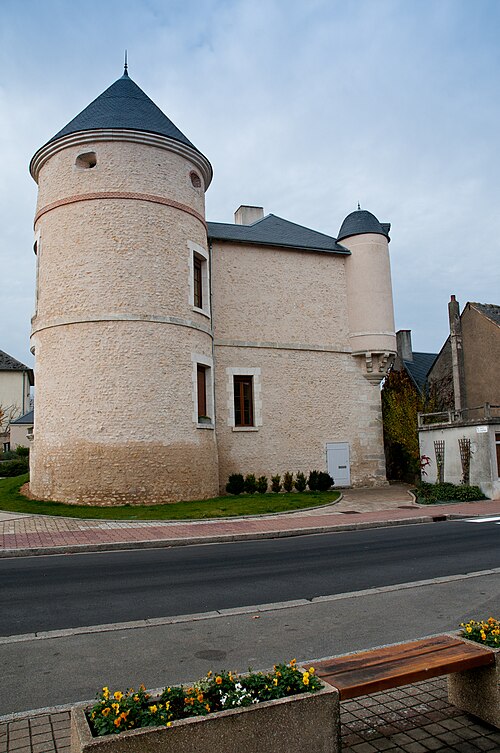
x,y
414,747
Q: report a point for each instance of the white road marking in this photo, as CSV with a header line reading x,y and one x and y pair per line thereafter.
x,y
496,519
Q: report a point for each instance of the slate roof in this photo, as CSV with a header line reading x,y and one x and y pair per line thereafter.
x,y
361,221
124,105
26,419
491,310
419,368
8,363
275,231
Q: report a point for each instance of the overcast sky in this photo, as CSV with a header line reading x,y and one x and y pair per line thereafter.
x,y
304,107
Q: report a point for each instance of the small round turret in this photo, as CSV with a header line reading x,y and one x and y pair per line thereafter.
x,y
369,290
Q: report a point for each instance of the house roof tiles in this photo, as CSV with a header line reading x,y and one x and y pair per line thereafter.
x,y
275,231
419,368
360,222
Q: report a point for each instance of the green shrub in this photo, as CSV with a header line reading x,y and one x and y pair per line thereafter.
x,y
300,482
262,484
312,481
325,481
288,481
250,484
430,494
22,452
276,483
14,467
8,455
236,484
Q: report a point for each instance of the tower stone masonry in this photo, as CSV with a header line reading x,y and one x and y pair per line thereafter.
x,y
171,352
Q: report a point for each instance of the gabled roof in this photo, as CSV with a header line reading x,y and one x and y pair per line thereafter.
x,y
124,106
491,310
419,368
360,222
275,231
28,418
8,363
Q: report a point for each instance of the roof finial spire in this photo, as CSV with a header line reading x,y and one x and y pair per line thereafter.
x,y
125,67
358,207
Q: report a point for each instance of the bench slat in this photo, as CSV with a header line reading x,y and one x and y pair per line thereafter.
x,y
392,666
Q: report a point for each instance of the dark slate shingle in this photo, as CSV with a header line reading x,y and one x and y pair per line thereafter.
x,y
420,367
275,231
491,310
26,419
124,105
361,221
8,363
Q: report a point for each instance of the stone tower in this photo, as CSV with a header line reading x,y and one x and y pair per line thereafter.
x,y
369,292
122,327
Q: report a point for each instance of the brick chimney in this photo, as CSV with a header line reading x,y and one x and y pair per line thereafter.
x,y
457,354
245,215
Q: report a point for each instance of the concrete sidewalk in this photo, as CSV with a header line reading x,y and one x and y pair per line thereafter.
x,y
24,535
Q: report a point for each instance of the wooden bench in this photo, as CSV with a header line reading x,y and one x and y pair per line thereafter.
x,y
388,667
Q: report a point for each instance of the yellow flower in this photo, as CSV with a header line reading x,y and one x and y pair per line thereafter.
x,y
169,724
209,673
311,670
305,678
293,662
116,707
106,711
105,692
218,680
136,698
118,695
207,707
468,629
275,681
153,708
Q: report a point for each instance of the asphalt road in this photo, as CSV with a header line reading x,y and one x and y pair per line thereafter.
x,y
54,592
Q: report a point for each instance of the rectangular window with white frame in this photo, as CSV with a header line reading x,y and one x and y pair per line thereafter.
x,y
203,392
244,388
199,279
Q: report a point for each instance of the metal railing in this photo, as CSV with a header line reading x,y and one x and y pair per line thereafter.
x,y
486,412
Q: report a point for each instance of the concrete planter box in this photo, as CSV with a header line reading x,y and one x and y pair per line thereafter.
x,y
477,691
288,725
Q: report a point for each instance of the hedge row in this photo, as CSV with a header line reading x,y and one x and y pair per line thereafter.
x,y
316,481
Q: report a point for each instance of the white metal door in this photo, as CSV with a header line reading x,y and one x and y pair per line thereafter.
x,y
337,462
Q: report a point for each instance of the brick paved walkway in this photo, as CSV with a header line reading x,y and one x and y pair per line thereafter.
x,y
412,719
359,507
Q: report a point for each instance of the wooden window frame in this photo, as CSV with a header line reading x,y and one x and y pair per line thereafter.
x,y
239,382
201,389
198,280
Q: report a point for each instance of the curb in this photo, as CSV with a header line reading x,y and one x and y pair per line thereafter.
x,y
223,538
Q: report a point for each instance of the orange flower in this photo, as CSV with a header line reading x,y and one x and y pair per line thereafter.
x,y
200,697
218,680
117,722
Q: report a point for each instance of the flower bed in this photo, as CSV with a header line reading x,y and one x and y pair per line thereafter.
x,y
485,632
119,711
262,713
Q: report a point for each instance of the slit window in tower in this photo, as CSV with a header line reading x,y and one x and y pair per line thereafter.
x,y
198,281
243,401
202,391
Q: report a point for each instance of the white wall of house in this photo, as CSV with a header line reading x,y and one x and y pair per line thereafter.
x,y
484,471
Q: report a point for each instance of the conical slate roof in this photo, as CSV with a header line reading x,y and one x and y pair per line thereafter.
x,y
361,221
124,105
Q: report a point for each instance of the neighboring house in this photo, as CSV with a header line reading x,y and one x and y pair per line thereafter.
x,y
463,440
21,431
171,352
16,379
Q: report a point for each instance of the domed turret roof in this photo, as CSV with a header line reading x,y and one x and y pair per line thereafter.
x,y
360,222
125,106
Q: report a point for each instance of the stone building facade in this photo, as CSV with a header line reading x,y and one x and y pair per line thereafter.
x,y
171,352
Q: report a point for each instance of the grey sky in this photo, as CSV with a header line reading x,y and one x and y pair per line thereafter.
x,y
303,107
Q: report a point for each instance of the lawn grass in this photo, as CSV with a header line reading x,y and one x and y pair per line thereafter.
x,y
218,507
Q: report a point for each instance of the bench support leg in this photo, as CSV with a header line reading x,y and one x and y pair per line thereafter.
x,y
477,691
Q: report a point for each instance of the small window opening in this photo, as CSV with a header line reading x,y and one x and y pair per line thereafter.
x,y
198,281
35,248
202,392
86,160
243,401
195,180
